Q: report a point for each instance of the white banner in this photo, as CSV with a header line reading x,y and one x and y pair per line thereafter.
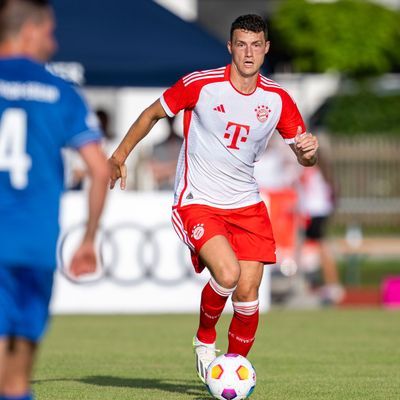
x,y
144,268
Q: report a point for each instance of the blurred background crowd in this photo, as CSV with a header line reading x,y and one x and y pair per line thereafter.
x,y
337,225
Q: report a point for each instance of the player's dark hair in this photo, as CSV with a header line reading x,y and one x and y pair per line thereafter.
x,y
250,22
14,13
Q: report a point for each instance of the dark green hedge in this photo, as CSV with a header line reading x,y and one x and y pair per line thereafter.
x,y
355,37
359,114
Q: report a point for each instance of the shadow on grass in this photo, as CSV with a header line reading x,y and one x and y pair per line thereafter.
x,y
189,387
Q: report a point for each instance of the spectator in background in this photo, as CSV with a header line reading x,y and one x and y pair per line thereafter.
x,y
39,115
278,174
165,158
104,121
77,172
277,168
318,194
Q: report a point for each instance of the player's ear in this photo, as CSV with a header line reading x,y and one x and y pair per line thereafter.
x,y
267,46
229,46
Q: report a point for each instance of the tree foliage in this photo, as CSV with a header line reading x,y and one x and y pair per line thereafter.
x,y
355,37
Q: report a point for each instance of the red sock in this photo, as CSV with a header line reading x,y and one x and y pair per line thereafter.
x,y
243,327
213,299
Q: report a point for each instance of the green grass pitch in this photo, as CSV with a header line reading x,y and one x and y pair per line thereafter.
x,y
332,354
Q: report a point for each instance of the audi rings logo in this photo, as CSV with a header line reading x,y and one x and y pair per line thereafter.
x,y
130,254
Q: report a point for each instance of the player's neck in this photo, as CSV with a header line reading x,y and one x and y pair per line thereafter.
x,y
10,48
244,84
7,50
14,49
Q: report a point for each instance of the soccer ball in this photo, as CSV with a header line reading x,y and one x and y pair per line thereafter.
x,y
231,376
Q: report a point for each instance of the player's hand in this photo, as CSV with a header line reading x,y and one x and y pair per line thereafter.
x,y
84,260
306,147
117,171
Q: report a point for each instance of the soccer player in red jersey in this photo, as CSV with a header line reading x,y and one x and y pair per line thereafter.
x,y
229,115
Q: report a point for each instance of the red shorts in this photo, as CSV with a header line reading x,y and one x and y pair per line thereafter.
x,y
248,230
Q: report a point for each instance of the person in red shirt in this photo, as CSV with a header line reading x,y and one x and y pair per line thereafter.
x,y
229,115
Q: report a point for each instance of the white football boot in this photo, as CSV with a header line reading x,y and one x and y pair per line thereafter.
x,y
205,354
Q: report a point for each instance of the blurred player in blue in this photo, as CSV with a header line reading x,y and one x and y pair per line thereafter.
x,y
39,115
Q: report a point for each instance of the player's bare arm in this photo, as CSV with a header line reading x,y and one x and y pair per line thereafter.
x,y
305,148
139,129
84,260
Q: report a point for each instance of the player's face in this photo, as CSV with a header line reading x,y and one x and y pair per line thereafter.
x,y
248,51
42,38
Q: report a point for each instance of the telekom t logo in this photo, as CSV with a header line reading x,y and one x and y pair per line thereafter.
x,y
239,132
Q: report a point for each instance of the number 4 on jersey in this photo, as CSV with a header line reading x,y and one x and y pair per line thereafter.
x,y
13,156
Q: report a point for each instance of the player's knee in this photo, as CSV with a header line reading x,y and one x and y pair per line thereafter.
x,y
229,278
228,282
245,294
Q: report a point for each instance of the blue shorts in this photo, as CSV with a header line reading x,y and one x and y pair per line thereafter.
x,y
24,302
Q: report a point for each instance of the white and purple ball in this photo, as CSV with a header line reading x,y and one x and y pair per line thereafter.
x,y
231,377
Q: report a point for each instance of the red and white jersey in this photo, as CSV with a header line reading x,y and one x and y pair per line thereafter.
x,y
225,133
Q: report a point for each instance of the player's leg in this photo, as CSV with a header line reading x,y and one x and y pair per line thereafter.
x,y
245,305
204,231
34,289
332,291
8,314
19,361
254,244
3,353
221,261
328,264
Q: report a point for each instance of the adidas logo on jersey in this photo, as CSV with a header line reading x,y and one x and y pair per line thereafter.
x,y
219,108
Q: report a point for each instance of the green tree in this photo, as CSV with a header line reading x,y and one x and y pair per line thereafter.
x,y
355,37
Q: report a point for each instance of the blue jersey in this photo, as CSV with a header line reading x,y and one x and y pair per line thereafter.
x,y
39,115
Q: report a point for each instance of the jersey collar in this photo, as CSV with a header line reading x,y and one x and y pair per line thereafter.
x,y
228,78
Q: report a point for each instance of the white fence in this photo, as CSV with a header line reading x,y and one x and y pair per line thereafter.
x,y
366,170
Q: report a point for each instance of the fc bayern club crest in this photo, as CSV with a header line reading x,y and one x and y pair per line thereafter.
x,y
262,113
198,231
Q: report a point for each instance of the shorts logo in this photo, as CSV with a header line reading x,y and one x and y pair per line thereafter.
x,y
262,113
198,231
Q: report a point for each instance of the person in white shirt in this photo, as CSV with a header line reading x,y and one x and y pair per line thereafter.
x,y
229,115
318,197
